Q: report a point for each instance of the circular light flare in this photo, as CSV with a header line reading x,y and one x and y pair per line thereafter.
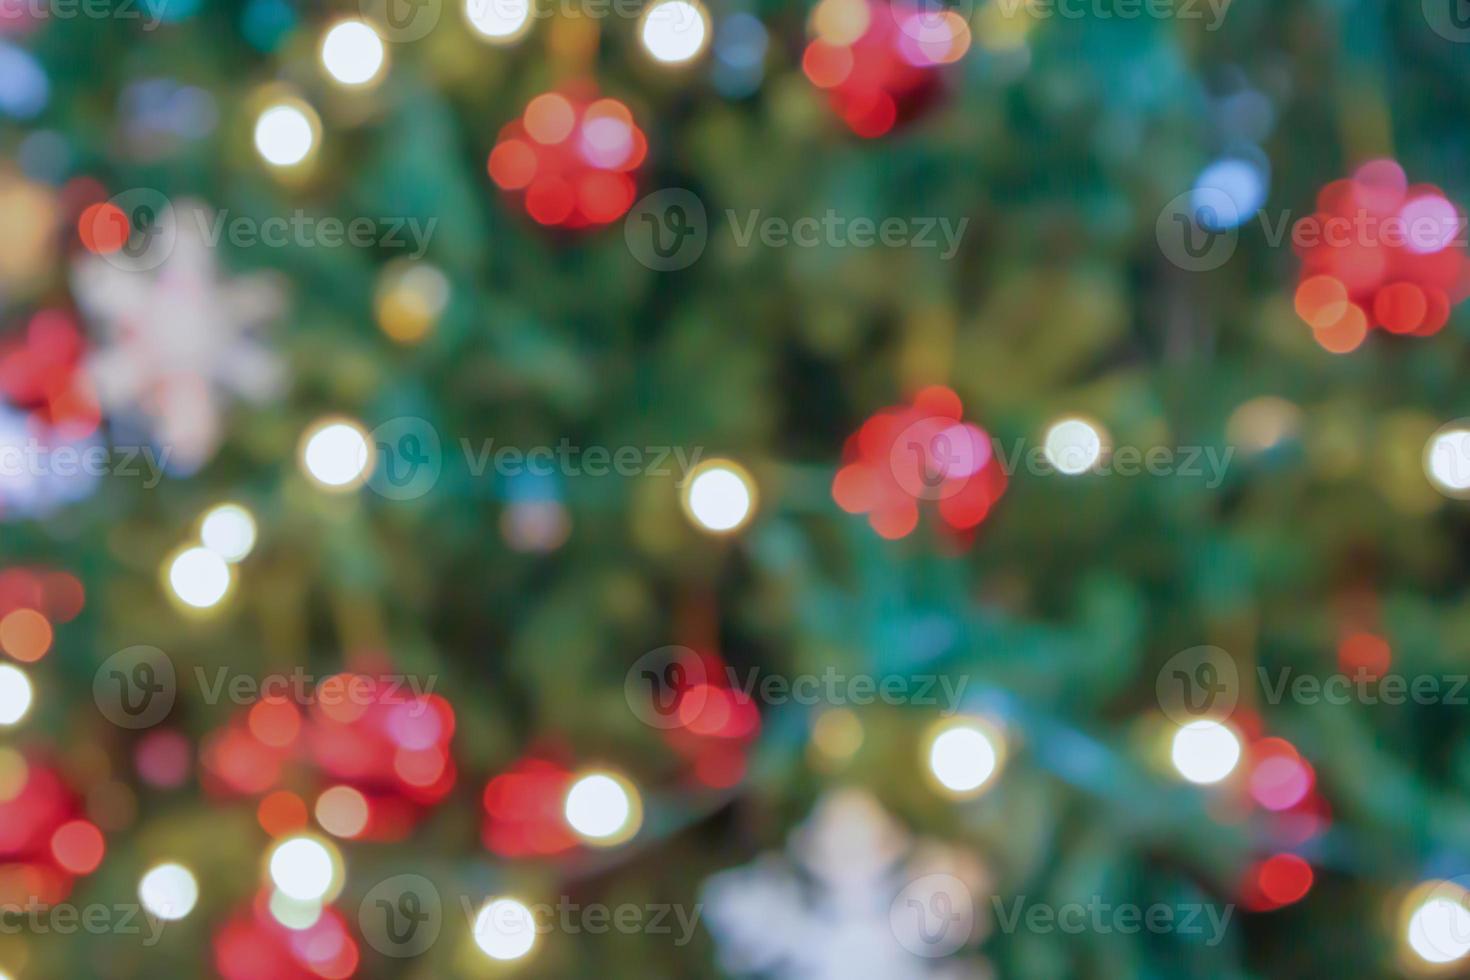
x,y
336,454
1438,930
499,21
1205,751
25,634
603,808
1447,460
1073,446
200,578
229,531
505,929
286,133
674,32
168,891
305,869
352,53
963,757
15,695
719,496
342,811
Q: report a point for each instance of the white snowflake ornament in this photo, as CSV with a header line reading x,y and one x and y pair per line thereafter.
x,y
855,899
175,340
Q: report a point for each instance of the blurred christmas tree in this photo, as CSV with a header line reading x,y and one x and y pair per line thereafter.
x,y
857,490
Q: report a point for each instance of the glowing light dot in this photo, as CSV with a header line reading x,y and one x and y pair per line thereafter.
x,y
336,454
285,135
603,808
228,531
1072,446
15,695
25,634
675,31
352,53
199,577
78,847
1447,460
302,868
1205,751
169,891
342,811
505,929
720,496
963,758
1439,929
499,21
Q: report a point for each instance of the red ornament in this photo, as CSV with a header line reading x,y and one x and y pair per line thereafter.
x,y
570,160
1279,880
879,62
922,451
523,810
42,373
46,842
1379,252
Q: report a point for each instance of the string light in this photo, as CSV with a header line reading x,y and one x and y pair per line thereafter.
x,y
352,53
229,531
674,32
306,869
15,695
719,496
294,913
1447,460
336,454
1073,446
342,811
603,808
1438,929
963,756
1205,751
199,577
286,133
499,21
505,929
169,891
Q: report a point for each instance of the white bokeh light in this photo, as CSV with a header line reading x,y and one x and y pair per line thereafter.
x,y
602,808
720,496
169,891
199,577
1447,460
336,454
303,869
501,21
1205,751
963,758
674,31
15,694
505,929
1439,929
1073,446
352,53
284,135
229,531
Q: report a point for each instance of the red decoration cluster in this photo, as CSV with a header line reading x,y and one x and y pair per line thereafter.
x,y
1379,252
889,74
42,372
254,946
570,160
921,451
711,724
1282,783
46,842
371,734
523,809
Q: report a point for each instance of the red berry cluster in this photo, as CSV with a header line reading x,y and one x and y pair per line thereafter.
x,y
523,809
921,451
1379,252
709,723
571,160
878,61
